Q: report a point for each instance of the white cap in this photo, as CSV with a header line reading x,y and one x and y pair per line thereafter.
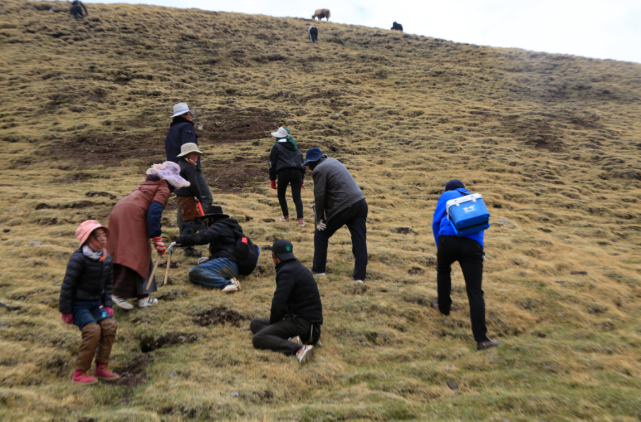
x,y
180,109
187,148
281,133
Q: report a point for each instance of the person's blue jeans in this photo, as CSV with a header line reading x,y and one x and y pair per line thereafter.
x,y
214,273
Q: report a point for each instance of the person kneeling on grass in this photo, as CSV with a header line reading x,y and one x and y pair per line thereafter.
x,y
297,312
85,300
221,268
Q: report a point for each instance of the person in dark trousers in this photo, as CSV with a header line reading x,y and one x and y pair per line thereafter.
x,y
77,8
297,312
286,164
338,201
189,197
312,34
182,132
468,251
221,268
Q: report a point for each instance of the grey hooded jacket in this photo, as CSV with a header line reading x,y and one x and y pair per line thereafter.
x,y
334,189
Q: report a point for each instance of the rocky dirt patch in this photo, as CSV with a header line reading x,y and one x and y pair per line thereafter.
x,y
218,315
149,343
133,373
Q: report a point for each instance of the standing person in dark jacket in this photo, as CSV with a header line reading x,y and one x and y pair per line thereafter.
x,y
189,196
286,163
85,300
297,311
221,268
182,132
338,201
468,251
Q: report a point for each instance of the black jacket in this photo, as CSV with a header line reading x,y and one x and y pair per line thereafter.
x,y
221,236
296,293
334,189
86,280
283,156
180,132
188,172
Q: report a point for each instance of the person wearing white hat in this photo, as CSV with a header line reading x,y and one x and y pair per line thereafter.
x,y
286,164
189,197
182,132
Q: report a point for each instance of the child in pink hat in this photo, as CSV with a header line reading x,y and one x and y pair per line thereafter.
x,y
85,300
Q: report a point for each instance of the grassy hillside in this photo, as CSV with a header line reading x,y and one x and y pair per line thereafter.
x,y
552,142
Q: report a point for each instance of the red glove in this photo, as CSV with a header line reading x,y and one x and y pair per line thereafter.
x,y
159,245
273,184
302,185
68,318
109,311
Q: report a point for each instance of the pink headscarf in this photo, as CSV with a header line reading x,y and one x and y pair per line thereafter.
x,y
170,172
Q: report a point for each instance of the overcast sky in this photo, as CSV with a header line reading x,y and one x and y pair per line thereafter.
x,y
593,28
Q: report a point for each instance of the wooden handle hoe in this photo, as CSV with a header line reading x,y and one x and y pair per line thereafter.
x,y
167,270
151,277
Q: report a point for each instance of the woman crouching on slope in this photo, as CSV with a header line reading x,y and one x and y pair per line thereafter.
x,y
85,300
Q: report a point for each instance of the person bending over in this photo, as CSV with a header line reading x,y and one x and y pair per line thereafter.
x,y
297,312
221,268
468,251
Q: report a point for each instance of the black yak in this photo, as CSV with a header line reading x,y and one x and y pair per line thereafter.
x,y
397,26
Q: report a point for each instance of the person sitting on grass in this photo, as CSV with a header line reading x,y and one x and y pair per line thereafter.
x,y
189,197
221,268
297,312
85,300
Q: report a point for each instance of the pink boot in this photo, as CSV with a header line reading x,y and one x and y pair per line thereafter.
x,y
83,377
102,371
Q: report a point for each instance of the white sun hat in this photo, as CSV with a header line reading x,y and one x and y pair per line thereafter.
x,y
187,148
180,109
281,133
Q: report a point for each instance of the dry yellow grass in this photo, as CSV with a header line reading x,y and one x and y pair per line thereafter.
x,y
552,142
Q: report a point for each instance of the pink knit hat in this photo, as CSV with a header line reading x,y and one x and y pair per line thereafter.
x,y
86,228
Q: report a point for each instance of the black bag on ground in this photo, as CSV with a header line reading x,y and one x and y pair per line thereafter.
x,y
246,254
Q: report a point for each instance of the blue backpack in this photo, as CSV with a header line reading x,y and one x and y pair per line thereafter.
x,y
468,214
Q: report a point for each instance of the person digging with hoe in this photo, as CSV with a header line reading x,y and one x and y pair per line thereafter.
x,y
134,221
85,300
221,268
297,312
286,164
468,251
338,201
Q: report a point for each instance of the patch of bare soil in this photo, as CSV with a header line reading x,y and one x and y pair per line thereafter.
x,y
232,125
218,315
149,343
133,373
236,178
107,151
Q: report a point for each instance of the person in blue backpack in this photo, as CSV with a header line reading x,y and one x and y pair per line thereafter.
x,y
468,251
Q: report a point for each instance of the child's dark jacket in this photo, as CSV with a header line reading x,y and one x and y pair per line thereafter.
x,y
86,280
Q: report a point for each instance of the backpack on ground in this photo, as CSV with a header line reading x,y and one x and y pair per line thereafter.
x,y
246,254
468,214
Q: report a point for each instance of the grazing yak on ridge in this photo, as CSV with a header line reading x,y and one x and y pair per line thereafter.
x,y
322,13
397,26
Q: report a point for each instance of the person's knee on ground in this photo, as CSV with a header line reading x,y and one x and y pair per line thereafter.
x,y
257,340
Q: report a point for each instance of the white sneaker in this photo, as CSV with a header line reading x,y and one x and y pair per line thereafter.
x,y
296,340
358,281
233,287
147,302
318,274
121,303
304,354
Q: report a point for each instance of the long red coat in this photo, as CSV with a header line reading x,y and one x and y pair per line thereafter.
x,y
128,243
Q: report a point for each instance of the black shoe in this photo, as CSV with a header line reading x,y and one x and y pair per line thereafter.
x,y
482,345
193,252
